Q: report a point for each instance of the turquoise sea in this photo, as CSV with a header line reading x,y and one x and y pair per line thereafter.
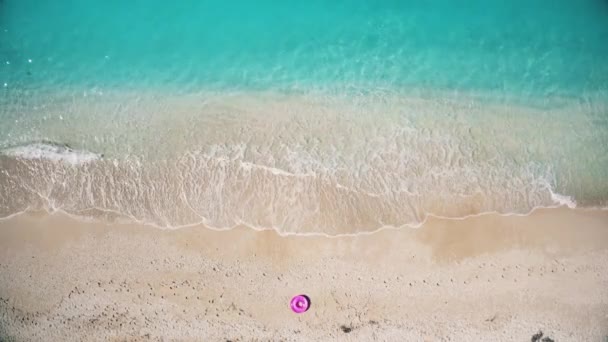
x,y
328,117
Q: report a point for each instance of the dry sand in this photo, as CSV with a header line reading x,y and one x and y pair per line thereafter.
x,y
485,278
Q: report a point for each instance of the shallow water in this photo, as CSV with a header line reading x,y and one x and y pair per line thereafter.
x,y
326,116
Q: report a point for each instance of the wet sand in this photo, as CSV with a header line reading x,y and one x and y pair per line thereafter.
x,y
483,278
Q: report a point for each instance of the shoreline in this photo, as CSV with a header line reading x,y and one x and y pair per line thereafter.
x,y
122,220
488,277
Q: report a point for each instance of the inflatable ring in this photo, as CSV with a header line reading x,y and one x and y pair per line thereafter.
x,y
300,304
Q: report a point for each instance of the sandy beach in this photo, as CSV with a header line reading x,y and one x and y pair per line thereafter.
x,y
484,278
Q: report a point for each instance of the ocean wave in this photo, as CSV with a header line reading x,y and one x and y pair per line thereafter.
x,y
303,164
223,194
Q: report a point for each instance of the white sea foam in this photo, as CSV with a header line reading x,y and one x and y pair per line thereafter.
x,y
563,200
273,170
51,151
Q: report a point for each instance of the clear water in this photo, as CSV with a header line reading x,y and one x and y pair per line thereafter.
x,y
306,117
549,48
